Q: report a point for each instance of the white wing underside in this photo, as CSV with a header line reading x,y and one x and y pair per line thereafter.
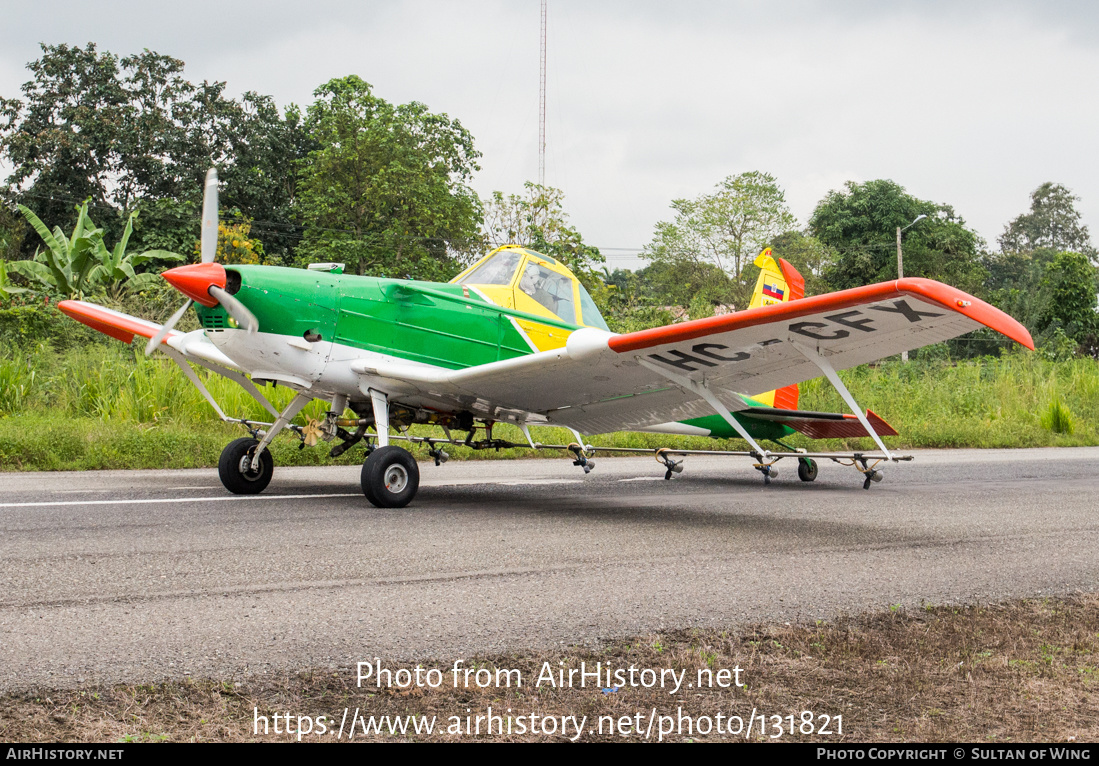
x,y
601,382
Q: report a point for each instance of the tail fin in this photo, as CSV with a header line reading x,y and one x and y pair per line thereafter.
x,y
778,282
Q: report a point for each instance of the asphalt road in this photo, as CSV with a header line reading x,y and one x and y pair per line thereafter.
x,y
141,576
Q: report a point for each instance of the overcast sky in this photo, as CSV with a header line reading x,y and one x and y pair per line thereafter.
x,y
972,104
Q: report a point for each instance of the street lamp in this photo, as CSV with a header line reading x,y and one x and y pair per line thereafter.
x,y
900,261
900,256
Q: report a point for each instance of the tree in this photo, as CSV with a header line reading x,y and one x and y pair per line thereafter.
x,y
1069,297
1053,224
1014,283
386,190
726,229
809,256
125,132
537,219
260,170
92,126
12,230
860,225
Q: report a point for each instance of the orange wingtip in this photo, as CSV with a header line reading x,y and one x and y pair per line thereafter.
x,y
119,326
925,289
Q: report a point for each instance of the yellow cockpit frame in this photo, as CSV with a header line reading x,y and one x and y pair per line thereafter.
x,y
534,286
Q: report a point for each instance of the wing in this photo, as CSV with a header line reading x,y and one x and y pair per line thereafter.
x,y
193,346
603,382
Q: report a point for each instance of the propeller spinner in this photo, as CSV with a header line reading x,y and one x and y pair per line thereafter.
x,y
205,281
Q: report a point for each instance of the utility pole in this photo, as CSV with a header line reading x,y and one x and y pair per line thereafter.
x,y
542,105
900,262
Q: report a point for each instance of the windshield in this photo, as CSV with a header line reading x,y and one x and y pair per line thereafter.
x,y
497,270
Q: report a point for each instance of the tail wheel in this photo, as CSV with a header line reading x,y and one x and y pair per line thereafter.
x,y
235,468
807,469
390,477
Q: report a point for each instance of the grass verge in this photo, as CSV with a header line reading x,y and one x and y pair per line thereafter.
x,y
103,406
1014,672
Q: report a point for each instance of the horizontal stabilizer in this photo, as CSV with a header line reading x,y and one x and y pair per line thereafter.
x,y
821,425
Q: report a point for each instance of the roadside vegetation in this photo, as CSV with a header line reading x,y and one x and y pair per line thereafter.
x,y
1025,671
105,405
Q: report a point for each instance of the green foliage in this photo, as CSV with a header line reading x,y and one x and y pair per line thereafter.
x,y
12,231
7,289
16,383
166,224
1053,223
990,402
633,318
24,324
1057,417
1069,296
125,131
678,284
726,229
537,219
386,190
1013,283
79,264
1055,345
811,257
860,225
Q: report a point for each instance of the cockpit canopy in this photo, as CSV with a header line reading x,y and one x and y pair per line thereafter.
x,y
514,277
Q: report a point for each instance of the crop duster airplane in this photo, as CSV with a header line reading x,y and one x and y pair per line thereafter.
x,y
516,338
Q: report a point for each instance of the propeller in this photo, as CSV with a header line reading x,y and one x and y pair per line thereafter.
x,y
208,245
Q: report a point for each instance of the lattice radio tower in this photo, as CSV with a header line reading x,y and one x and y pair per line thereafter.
x,y
542,105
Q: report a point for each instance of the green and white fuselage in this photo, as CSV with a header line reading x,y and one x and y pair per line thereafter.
x,y
323,332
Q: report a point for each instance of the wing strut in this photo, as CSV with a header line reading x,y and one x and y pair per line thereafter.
x,y
178,359
283,420
702,390
237,377
819,360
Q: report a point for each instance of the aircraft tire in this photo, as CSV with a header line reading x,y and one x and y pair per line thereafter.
x,y
807,469
236,477
390,477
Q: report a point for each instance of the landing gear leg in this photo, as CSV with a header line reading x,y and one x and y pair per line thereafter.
x,y
390,476
245,466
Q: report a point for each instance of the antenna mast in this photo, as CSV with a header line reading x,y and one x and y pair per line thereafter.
x,y
542,105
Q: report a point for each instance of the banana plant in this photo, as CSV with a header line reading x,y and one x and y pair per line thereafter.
x,y
115,269
76,265
7,289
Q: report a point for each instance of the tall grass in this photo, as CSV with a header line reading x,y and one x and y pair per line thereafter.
x,y
979,403
110,406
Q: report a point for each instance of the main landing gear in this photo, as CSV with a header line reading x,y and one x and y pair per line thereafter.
x,y
237,469
390,477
